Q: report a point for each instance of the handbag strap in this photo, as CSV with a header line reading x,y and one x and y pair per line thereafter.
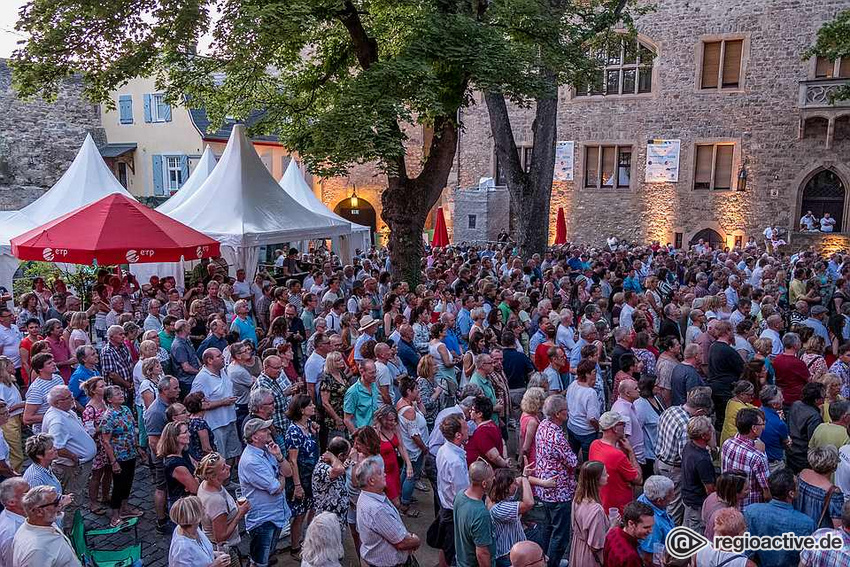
x,y
825,505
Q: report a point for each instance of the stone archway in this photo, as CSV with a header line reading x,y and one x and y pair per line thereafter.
x,y
710,237
824,192
363,213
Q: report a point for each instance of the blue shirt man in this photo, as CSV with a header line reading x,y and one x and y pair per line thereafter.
x,y
774,434
663,524
464,324
632,283
816,324
80,375
452,342
408,355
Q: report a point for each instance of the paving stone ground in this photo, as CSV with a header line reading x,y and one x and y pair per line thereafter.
x,y
155,546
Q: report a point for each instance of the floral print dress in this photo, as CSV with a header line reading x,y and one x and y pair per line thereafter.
x,y
121,425
308,456
92,420
330,494
337,390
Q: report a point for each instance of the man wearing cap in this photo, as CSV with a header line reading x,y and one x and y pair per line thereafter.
x,y
262,472
616,453
816,321
368,329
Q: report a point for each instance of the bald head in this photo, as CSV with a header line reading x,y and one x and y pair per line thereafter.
x,y
526,553
480,472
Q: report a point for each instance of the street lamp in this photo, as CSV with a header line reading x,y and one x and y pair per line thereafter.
x,y
742,177
354,201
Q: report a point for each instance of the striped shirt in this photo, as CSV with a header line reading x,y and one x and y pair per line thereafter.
x,y
37,475
740,454
507,527
672,435
37,396
380,528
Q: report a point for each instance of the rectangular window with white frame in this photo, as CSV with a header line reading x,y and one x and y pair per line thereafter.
x,y
174,173
608,166
160,110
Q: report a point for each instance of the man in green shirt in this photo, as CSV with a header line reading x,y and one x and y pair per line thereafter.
x,y
473,528
483,368
361,399
834,433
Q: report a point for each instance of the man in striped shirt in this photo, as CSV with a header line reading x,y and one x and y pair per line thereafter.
x,y
672,438
740,454
46,378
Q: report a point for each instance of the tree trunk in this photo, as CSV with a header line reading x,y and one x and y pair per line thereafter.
x,y
406,202
530,192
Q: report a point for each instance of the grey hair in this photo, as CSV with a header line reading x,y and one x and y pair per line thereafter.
x,y
110,392
38,445
769,394
692,350
700,398
476,313
668,309
81,351
791,340
621,333
733,279
537,379
55,392
164,383
113,330
553,405
699,426
657,487
323,541
9,487
586,329
48,326
479,360
114,301
37,497
370,467
823,460
148,364
256,398
470,391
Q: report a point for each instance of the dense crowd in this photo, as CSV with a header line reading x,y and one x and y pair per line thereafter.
x,y
574,406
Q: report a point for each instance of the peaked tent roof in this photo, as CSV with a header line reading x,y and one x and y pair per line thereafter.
x,y
199,175
12,223
294,184
86,180
241,205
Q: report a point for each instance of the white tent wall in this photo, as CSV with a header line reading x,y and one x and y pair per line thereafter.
x,y
143,272
245,257
8,266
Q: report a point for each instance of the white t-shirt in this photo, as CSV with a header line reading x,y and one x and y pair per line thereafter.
x,y
46,546
10,341
582,405
709,557
187,552
69,433
313,369
842,475
242,290
384,376
827,224
12,396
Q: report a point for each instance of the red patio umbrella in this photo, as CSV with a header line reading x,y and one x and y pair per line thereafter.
x,y
441,235
113,230
561,228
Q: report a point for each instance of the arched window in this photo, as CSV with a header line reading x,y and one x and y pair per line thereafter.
x,y
710,237
625,68
824,193
363,213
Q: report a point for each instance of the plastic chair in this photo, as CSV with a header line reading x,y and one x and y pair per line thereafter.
x,y
93,557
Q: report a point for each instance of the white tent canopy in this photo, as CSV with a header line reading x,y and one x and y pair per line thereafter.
x,y
294,184
190,187
242,206
86,180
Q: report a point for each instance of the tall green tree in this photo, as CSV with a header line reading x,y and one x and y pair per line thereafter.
x,y
339,80
833,42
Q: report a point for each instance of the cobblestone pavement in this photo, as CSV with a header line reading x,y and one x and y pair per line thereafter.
x,y
155,546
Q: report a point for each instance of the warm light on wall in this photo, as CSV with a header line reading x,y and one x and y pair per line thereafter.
x,y
354,201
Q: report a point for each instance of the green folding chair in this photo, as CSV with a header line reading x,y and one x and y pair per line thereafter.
x,y
92,557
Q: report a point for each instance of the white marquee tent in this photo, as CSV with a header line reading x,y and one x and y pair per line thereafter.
x,y
294,184
86,180
242,206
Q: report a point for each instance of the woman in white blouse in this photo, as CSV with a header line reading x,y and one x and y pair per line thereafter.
x,y
190,547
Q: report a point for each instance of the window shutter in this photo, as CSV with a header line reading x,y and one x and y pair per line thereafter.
x,y
158,185
147,99
824,68
702,175
844,68
710,64
125,109
184,169
591,167
723,167
732,63
165,112
609,166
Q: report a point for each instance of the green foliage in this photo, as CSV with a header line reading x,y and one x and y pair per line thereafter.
x,y
833,42
337,78
81,281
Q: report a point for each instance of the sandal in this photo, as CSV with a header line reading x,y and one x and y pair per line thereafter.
x,y
99,509
116,523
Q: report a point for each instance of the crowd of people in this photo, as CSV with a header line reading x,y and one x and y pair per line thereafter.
x,y
572,406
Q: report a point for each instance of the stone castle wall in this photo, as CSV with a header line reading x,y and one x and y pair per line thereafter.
x,y
39,140
763,120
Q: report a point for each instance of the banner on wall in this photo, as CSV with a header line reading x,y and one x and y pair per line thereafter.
x,y
564,152
662,161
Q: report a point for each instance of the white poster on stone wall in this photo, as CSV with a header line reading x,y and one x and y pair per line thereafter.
x,y
564,152
662,161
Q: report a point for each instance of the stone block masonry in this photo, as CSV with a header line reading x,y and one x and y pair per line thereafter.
x,y
38,140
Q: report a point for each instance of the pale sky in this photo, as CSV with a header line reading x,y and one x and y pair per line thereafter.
x,y
8,35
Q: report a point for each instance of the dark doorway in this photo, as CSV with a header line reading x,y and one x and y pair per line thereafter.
x,y
363,214
710,237
824,193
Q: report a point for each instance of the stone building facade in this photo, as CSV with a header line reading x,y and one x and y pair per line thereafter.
x,y
728,80
39,140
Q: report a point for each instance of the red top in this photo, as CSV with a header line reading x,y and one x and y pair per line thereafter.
x,y
620,549
541,356
791,376
486,436
618,492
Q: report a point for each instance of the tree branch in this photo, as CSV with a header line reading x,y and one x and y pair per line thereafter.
x,y
365,47
503,138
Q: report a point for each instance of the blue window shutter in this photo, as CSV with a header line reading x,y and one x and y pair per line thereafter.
x,y
148,108
184,169
125,108
158,185
165,112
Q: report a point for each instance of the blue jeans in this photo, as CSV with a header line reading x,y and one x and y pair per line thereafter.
x,y
409,484
555,530
263,542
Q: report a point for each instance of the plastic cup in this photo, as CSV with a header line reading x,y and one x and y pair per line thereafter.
x,y
613,514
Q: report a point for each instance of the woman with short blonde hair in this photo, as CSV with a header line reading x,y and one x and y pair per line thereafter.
x,y
222,513
190,547
531,405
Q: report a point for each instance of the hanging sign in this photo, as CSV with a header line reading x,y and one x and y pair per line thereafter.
x,y
662,161
564,152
